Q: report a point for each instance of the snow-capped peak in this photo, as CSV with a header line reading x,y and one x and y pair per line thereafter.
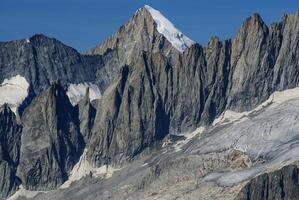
x,y
170,32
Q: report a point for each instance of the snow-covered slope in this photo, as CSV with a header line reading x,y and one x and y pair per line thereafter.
x,y
170,32
13,91
76,92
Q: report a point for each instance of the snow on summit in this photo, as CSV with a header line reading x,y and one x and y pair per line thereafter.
x,y
170,32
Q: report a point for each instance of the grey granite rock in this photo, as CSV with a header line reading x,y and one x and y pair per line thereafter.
x,y
282,184
131,117
51,140
10,141
87,114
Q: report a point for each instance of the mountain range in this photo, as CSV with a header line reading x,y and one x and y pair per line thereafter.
x,y
150,114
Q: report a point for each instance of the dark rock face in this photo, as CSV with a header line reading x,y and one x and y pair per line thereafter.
x,y
138,34
42,61
10,141
51,140
282,184
131,117
86,116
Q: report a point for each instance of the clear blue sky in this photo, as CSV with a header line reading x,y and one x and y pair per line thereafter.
x,y
84,23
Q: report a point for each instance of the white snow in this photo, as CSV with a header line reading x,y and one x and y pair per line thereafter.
x,y
76,92
22,192
27,40
13,91
83,168
170,32
188,136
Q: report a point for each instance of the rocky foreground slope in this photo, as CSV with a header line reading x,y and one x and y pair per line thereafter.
x,y
156,89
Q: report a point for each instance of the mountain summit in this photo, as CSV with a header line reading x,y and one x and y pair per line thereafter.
x,y
170,32
146,30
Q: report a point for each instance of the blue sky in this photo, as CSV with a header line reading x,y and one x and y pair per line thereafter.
x,y
84,23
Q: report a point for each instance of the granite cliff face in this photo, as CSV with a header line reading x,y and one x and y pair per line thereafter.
x,y
264,60
150,90
10,141
281,184
87,114
51,140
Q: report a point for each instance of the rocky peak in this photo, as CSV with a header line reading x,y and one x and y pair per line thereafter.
x,y
253,28
146,30
253,19
39,38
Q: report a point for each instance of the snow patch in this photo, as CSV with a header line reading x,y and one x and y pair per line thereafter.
x,y
188,136
22,192
83,168
28,40
170,32
76,92
13,91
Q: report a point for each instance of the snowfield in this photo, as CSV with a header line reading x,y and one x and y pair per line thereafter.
x,y
13,91
76,92
170,32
